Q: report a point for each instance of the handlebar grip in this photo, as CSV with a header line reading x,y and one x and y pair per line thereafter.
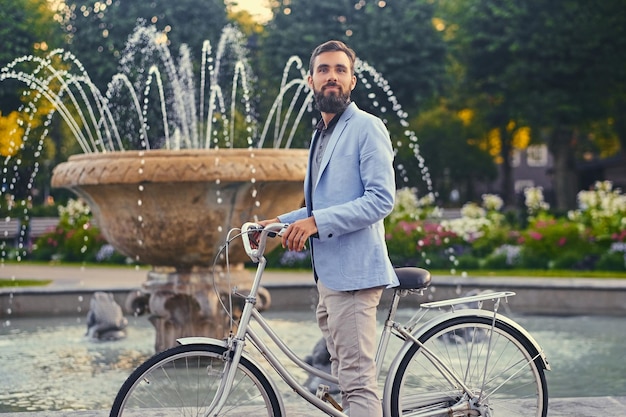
x,y
271,230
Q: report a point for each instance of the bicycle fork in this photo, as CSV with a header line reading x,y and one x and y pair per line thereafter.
x,y
231,358
235,346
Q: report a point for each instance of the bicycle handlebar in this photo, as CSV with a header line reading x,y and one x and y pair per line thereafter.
x,y
271,230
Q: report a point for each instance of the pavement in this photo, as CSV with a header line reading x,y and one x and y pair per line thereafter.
x,y
99,278
297,288
559,407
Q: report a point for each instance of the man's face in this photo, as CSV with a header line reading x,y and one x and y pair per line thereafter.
x,y
332,81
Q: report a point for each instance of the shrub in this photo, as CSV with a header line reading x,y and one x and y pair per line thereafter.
x,y
75,238
468,262
548,239
497,261
612,261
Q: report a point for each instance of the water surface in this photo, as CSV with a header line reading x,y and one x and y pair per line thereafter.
x,y
48,364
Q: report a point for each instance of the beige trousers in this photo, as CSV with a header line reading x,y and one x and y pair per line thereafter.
x,y
347,320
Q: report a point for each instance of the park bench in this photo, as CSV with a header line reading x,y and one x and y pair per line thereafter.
x,y
12,231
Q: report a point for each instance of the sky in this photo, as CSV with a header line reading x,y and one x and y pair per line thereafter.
x,y
257,8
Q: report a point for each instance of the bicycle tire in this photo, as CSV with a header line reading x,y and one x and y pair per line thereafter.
x,y
515,382
175,382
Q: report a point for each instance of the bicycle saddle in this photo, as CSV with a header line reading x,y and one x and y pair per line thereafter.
x,y
412,278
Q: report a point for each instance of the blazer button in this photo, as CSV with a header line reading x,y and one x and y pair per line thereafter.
x,y
330,235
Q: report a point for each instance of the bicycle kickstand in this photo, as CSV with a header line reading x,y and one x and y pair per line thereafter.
x,y
324,394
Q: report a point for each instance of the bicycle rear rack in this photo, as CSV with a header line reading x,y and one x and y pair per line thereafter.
x,y
479,298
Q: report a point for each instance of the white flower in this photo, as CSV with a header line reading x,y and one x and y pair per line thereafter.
x,y
603,186
406,198
534,199
472,211
492,202
409,207
587,199
427,200
74,209
468,228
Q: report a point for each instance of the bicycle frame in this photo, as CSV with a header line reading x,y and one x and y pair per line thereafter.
x,y
236,343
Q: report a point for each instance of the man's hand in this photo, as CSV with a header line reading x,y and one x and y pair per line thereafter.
x,y
254,237
297,233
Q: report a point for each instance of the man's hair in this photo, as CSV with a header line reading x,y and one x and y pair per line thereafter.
x,y
332,46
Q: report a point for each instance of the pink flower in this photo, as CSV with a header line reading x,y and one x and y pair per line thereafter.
x,y
535,235
562,241
619,237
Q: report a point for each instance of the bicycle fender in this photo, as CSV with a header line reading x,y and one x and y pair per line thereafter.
x,y
200,341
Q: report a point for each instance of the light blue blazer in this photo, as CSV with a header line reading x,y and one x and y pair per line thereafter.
x,y
352,195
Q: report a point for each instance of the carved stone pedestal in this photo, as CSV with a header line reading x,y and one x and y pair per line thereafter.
x,y
196,303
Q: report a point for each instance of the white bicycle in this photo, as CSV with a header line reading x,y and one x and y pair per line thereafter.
x,y
461,362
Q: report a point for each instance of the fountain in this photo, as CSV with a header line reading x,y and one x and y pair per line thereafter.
x,y
161,207
170,202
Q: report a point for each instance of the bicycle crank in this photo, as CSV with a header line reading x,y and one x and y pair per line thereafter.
x,y
323,393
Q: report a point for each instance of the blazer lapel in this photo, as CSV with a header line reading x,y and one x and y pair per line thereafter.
x,y
333,140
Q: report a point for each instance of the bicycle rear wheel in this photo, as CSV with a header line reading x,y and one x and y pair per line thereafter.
x,y
183,381
506,372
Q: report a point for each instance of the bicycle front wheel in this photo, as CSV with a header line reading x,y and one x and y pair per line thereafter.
x,y
183,381
498,364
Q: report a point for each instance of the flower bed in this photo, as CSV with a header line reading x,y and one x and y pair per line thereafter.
x,y
592,237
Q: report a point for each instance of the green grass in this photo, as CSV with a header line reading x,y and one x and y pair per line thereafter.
x,y
536,273
528,273
10,283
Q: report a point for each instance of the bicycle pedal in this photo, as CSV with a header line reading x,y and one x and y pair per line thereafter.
x,y
324,394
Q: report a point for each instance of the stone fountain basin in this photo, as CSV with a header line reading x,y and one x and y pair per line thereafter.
x,y
175,208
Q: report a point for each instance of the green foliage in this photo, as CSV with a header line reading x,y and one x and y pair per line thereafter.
x,y
492,239
612,261
548,238
454,163
468,262
497,262
28,28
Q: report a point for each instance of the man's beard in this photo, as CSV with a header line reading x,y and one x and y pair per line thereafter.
x,y
332,103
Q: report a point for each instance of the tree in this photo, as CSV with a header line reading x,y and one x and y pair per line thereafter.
x,y
553,66
397,38
456,164
28,28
